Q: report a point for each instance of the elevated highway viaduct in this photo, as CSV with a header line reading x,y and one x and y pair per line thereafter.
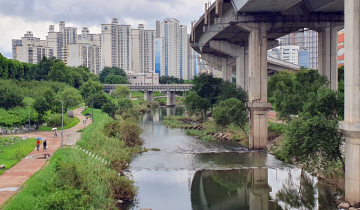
x,y
243,30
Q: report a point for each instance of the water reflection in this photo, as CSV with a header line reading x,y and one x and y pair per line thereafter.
x,y
170,179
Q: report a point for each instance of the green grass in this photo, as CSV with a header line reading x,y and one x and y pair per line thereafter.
x,y
277,128
72,180
161,101
74,122
12,152
136,94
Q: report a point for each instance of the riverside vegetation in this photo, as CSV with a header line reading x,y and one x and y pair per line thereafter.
x,y
311,140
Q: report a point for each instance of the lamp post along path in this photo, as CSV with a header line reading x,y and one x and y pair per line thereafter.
x,y
62,120
28,95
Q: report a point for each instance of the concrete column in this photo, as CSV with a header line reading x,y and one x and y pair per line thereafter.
x,y
242,71
258,105
149,96
130,97
351,125
328,55
170,102
224,69
229,73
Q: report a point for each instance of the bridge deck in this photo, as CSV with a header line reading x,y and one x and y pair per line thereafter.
x,y
164,87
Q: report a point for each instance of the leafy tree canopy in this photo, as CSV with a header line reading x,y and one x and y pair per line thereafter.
x,y
207,86
111,70
229,90
91,87
170,80
99,100
121,91
116,79
10,96
124,104
196,104
69,93
230,111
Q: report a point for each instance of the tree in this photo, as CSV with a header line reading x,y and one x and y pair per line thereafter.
x,y
99,100
207,86
69,93
170,80
314,134
111,70
231,111
290,90
115,79
109,108
59,72
196,104
124,104
121,91
41,106
229,90
91,87
10,96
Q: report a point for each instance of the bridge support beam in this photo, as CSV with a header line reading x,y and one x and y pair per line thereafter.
x,y
130,97
170,102
226,70
328,54
258,105
148,96
350,127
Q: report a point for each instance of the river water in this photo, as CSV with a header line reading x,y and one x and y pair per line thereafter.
x,y
191,174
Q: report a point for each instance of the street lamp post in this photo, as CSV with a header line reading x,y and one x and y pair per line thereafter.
x,y
28,95
62,119
85,100
92,108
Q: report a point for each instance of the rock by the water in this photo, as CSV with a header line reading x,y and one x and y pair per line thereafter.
x,y
120,201
344,206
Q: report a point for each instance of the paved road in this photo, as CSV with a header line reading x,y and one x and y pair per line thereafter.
x,y
13,178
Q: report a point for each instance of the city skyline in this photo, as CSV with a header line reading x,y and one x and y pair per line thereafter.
x,y
37,15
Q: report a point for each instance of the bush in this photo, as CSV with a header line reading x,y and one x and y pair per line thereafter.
x,y
54,120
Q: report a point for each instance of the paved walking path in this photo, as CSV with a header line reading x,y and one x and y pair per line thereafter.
x,y
13,178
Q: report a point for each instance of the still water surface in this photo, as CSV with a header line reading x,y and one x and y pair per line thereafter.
x,y
191,174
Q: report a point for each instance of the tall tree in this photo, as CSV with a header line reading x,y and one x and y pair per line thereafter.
x,y
111,70
121,91
207,86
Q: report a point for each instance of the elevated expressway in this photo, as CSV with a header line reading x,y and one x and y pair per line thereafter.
x,y
243,30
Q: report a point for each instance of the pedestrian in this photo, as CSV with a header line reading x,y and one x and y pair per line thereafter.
x,y
38,145
55,134
44,145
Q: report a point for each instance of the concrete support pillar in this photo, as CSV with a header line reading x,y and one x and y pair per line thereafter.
x,y
229,73
170,102
328,54
242,77
258,105
130,97
351,125
149,96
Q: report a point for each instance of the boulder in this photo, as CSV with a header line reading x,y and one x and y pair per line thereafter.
x,y
344,206
120,201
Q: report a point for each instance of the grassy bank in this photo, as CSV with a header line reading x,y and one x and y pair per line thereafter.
x,y
12,151
74,121
233,131
72,180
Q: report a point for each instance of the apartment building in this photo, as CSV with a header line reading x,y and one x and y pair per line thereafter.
x,y
184,40
143,54
290,53
86,52
306,40
341,48
31,50
192,60
115,45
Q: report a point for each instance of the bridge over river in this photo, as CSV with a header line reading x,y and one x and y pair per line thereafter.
x,y
149,88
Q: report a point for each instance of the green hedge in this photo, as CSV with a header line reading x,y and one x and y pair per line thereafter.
x,y
74,121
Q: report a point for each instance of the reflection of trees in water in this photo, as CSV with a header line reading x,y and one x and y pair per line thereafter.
x,y
235,159
298,196
230,180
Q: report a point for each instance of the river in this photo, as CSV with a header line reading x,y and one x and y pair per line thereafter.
x,y
192,174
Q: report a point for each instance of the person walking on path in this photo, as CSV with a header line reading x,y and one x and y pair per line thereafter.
x,y
38,145
55,134
44,145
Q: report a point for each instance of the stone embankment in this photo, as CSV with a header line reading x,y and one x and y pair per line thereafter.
x,y
17,130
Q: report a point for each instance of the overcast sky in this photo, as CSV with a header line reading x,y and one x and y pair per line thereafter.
x,y
19,16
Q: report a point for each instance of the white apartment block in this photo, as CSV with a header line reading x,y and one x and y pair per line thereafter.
x,y
192,58
32,49
290,53
143,54
115,45
86,52
184,74
307,40
170,30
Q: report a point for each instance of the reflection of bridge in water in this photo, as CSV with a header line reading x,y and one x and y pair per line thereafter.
x,y
148,90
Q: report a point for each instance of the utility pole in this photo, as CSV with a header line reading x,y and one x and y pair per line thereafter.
x,y
28,95
62,120
85,100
